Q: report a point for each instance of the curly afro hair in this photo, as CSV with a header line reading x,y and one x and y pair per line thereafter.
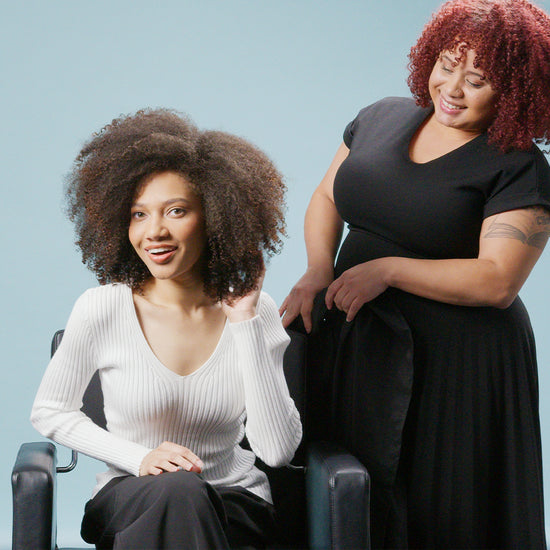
x,y
241,192
511,40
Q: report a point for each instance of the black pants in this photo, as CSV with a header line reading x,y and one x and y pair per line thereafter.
x,y
176,510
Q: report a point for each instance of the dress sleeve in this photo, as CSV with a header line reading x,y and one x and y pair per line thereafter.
x,y
524,181
273,426
367,115
56,410
348,133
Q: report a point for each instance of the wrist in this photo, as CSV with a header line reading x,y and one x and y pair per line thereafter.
x,y
319,272
390,268
321,268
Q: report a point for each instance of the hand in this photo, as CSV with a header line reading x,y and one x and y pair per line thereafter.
x,y
243,308
300,299
357,286
170,457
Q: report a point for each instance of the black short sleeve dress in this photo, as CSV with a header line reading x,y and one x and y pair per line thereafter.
x,y
440,401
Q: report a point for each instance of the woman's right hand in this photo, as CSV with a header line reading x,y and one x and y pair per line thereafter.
x,y
300,299
170,457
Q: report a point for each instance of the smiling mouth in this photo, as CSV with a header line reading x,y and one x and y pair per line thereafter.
x,y
449,106
161,254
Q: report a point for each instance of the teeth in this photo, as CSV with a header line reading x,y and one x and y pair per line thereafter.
x,y
449,106
159,250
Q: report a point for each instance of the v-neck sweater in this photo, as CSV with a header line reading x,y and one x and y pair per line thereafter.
x,y
239,389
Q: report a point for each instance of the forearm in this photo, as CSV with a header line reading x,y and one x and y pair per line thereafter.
x,y
76,431
273,423
467,282
510,245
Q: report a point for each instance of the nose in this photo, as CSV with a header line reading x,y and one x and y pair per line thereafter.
x,y
453,86
156,228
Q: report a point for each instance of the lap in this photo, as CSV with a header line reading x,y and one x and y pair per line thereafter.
x,y
244,518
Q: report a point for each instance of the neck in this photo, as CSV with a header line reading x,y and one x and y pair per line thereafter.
x,y
185,294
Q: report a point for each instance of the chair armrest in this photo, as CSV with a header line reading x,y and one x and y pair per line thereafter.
x,y
338,499
33,482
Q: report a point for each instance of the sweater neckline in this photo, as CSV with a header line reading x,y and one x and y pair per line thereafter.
x,y
159,366
420,117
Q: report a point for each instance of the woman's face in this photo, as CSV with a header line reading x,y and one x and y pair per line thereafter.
x,y
462,96
167,227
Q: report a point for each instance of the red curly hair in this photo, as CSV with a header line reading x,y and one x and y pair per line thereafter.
x,y
511,40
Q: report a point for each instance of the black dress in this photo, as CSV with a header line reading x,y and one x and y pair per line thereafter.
x,y
439,401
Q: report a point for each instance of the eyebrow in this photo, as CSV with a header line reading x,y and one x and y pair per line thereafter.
x,y
165,203
452,62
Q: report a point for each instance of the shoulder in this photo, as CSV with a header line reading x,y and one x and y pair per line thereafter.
x,y
103,302
110,290
107,293
522,178
389,106
531,161
543,168
535,165
389,115
533,156
393,102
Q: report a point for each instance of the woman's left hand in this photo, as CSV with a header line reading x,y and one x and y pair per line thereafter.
x,y
243,308
357,286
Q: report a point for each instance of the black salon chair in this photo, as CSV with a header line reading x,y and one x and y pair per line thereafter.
x,y
322,500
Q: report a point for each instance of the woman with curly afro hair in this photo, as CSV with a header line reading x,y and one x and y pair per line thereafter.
x,y
175,222
447,197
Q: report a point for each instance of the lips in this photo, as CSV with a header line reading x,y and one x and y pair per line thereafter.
x,y
448,107
161,254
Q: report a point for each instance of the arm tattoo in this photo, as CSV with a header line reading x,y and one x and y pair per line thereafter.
x,y
533,230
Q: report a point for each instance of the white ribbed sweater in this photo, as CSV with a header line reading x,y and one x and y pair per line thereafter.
x,y
146,403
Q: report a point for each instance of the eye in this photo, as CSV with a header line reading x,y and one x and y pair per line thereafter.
x,y
177,212
475,84
446,69
137,215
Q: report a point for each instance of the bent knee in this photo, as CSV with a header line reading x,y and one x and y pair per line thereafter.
x,y
181,479
180,484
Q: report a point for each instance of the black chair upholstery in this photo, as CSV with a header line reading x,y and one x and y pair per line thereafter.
x,y
338,490
322,500
34,490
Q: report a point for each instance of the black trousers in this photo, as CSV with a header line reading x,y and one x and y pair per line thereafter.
x,y
176,510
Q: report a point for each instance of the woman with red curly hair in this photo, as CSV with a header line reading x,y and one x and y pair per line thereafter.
x,y
175,223
432,363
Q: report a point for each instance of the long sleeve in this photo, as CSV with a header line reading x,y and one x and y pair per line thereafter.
x,y
56,410
146,403
273,426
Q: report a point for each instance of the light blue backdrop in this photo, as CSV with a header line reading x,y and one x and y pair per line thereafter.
x,y
286,74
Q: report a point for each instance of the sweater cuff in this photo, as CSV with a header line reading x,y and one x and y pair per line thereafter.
x,y
135,459
250,330
239,324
